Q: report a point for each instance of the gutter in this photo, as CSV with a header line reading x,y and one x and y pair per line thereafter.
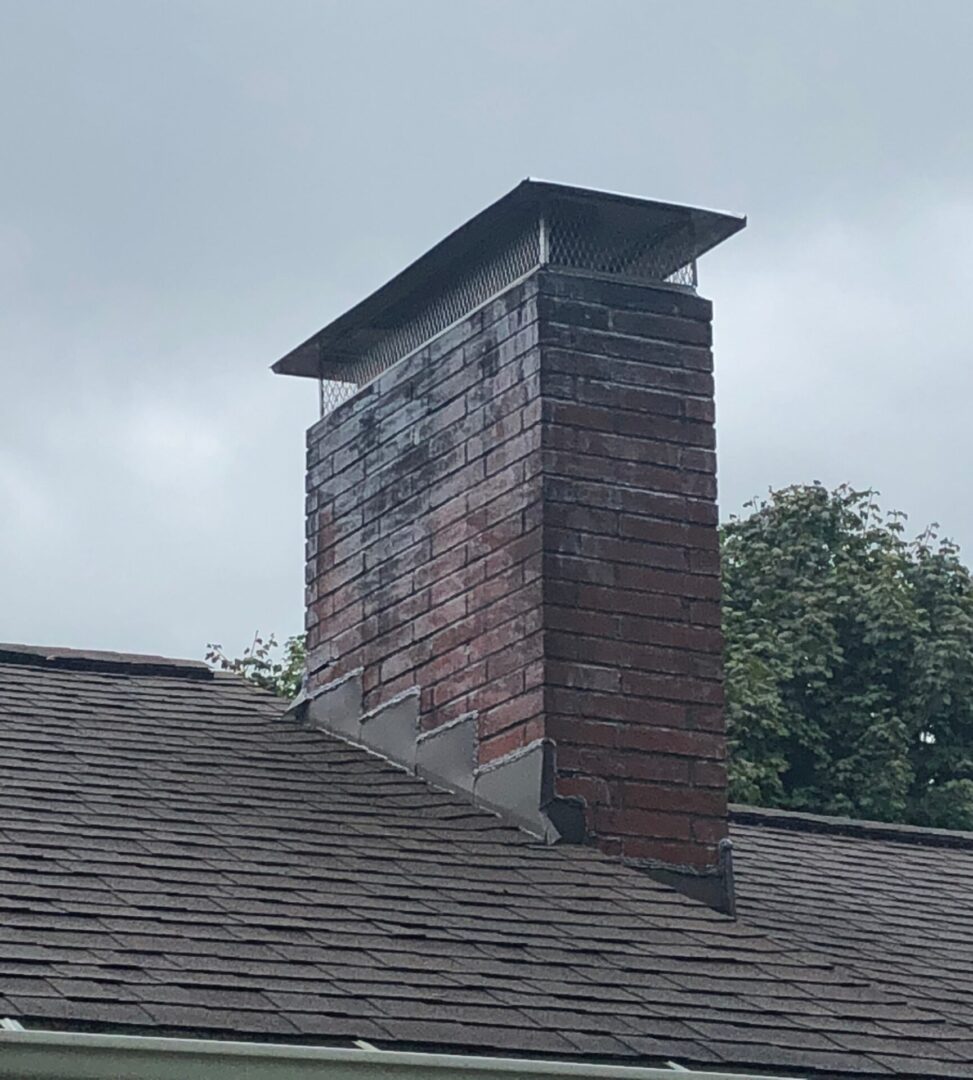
x,y
68,1055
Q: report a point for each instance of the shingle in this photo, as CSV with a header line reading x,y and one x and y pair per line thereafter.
x,y
196,1019
591,1044
927,1068
759,1053
65,1009
444,1033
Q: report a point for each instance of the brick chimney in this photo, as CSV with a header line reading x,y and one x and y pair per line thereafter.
x,y
512,555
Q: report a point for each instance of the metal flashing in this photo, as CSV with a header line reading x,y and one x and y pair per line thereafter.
x,y
895,832
391,728
337,706
520,786
446,755
713,887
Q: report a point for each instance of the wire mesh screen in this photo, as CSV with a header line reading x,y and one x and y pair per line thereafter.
x,y
333,393
582,241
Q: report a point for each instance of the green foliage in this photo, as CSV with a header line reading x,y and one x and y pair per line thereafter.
x,y
265,663
849,654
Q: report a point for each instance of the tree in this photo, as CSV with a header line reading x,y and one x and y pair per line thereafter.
x,y
849,661
261,664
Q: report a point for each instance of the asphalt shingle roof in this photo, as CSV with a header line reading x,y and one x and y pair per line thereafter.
x,y
176,857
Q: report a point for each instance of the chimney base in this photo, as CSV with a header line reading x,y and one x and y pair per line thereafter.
x,y
519,787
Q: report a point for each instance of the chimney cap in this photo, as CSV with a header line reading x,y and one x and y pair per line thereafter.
x,y
343,345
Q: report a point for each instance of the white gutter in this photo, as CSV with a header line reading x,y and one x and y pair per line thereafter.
x,y
64,1055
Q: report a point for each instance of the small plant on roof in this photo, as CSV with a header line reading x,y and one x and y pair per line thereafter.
x,y
265,663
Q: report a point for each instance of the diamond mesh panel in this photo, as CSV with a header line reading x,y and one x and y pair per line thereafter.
x,y
334,393
577,241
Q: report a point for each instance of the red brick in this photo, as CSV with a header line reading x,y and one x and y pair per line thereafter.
x,y
677,853
509,713
669,532
492,747
643,823
524,602
460,581
710,830
388,689
607,598
493,691
568,729
466,681
695,586
648,659
681,799
578,621
661,767
704,562
578,674
519,551
593,790
692,744
656,631
528,649
710,774
706,613
672,687
506,635
632,712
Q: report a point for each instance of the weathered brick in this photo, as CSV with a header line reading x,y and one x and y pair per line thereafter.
x,y
677,852
710,774
642,823
620,294
459,683
680,800
492,747
514,711
667,371
584,733
693,744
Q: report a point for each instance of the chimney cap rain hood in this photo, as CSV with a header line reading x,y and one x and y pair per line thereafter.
x,y
538,223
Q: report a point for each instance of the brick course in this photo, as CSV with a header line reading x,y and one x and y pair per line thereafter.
x,y
520,520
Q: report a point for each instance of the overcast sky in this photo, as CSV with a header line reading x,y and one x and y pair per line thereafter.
x,y
188,188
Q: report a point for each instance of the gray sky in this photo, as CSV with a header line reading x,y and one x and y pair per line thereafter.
x,y
188,189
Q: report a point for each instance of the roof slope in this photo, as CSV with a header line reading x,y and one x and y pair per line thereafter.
x,y
176,857
894,902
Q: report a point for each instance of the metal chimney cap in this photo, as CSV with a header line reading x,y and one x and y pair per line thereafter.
x,y
538,223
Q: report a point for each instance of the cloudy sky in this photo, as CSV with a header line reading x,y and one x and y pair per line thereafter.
x,y
190,187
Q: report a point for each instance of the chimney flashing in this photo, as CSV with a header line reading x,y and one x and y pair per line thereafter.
x,y
712,886
520,786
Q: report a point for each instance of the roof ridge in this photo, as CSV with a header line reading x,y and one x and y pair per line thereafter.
x,y
899,832
102,660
